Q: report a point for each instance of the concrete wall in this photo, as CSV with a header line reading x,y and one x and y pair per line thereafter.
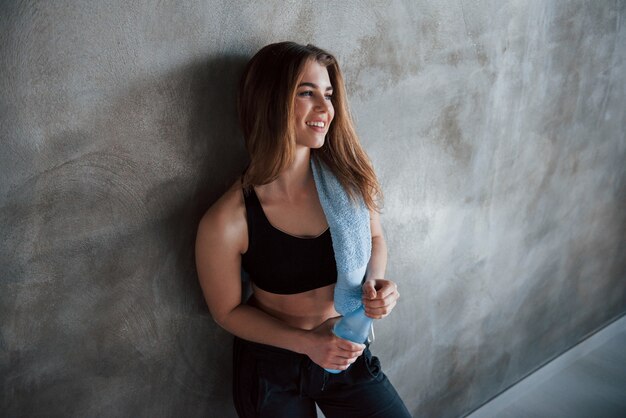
x,y
497,129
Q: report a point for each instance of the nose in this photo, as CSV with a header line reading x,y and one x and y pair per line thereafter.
x,y
322,105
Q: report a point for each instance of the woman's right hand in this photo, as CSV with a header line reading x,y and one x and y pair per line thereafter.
x,y
329,351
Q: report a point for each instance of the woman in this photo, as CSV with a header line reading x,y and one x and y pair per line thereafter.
x,y
292,106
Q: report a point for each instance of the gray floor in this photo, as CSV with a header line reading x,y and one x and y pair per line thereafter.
x,y
588,381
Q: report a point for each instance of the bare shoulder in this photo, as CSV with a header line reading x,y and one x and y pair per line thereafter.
x,y
225,221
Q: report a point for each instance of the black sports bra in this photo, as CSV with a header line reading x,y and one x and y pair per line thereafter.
x,y
281,263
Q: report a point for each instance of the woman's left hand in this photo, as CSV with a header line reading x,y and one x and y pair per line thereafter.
x,y
379,297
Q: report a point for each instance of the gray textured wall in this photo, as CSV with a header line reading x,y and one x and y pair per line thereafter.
x,y
497,129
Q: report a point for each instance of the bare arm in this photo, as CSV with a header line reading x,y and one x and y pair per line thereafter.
x,y
221,239
379,295
378,261
218,259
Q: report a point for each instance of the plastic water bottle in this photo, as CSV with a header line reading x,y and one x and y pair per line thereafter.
x,y
354,327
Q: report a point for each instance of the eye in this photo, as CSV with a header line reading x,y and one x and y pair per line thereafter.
x,y
328,97
307,93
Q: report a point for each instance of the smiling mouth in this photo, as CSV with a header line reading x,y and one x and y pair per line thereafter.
x,y
316,124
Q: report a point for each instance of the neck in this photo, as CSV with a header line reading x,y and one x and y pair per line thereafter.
x,y
297,176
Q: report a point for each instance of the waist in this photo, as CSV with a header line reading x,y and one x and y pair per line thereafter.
x,y
306,310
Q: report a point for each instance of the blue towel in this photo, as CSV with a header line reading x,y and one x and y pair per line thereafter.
x,y
349,223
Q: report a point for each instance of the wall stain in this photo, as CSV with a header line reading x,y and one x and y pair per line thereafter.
x,y
447,129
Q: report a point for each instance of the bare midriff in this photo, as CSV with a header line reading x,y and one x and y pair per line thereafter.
x,y
305,310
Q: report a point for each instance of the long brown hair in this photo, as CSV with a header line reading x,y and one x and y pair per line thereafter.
x,y
266,105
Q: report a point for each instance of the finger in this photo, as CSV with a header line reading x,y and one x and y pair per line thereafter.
x,y
375,313
375,303
386,290
380,312
346,358
380,303
346,345
348,353
369,289
341,358
338,364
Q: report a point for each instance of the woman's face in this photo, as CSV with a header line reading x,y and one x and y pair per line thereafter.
x,y
313,107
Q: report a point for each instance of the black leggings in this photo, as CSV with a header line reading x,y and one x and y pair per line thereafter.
x,y
273,382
